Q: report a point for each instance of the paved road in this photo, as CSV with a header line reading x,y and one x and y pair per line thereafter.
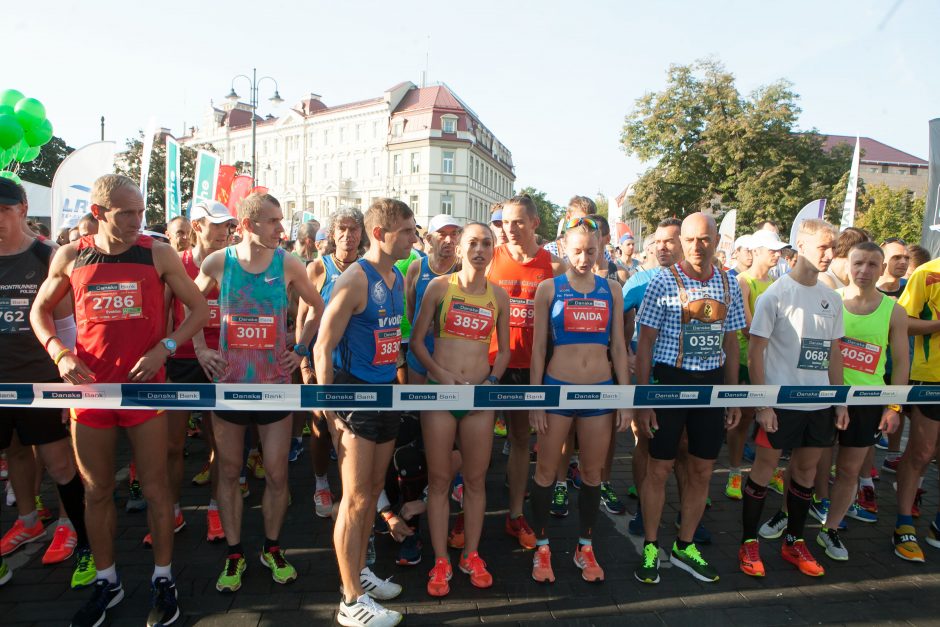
x,y
873,587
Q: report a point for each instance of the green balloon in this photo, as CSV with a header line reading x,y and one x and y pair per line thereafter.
x,y
10,131
30,112
6,157
40,135
6,109
10,97
12,176
20,151
31,153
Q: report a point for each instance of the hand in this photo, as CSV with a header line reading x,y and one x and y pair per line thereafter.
x,y
339,427
413,508
842,417
74,370
890,420
538,421
307,373
645,420
732,417
149,365
767,419
398,528
289,361
212,362
624,419
446,377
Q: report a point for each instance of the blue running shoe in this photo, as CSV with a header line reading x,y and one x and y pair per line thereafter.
x,y
819,509
296,448
635,526
857,513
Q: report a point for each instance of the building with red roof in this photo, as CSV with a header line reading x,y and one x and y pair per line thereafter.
x,y
882,164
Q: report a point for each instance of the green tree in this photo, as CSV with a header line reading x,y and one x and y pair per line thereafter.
x,y
885,212
42,169
549,213
603,206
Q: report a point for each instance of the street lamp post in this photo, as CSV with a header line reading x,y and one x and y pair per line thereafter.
x,y
254,82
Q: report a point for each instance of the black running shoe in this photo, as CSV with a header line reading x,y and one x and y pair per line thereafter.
x,y
165,608
104,596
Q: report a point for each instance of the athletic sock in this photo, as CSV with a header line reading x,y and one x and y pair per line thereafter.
x,y
72,495
236,549
682,544
866,482
176,511
561,484
270,544
589,504
323,482
541,501
162,571
109,574
904,520
30,519
213,505
798,500
753,505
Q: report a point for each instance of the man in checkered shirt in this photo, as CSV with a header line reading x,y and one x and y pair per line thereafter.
x,y
688,320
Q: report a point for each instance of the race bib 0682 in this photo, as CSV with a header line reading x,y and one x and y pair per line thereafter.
x,y
814,354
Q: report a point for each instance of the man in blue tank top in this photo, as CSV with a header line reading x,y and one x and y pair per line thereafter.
x,y
359,342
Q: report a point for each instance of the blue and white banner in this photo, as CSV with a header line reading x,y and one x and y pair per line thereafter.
x,y
173,202
71,185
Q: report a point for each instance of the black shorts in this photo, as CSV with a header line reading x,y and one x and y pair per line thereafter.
x,y
245,418
185,371
863,430
705,426
374,426
515,376
800,429
931,411
33,425
402,355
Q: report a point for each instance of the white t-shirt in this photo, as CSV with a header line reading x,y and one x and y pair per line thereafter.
x,y
802,325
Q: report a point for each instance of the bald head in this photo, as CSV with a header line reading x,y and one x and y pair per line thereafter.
x,y
699,235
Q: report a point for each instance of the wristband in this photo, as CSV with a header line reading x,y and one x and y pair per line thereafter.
x,y
492,379
49,341
60,355
388,515
896,408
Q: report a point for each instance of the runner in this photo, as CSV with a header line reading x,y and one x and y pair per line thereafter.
x,y
584,313
741,255
796,321
305,246
837,275
462,311
892,282
496,223
518,267
179,231
360,337
253,278
116,279
688,321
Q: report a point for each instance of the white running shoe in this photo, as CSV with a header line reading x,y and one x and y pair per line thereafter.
x,y
381,589
365,612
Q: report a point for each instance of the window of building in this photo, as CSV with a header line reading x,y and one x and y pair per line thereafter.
x,y
901,171
275,144
914,170
449,124
291,174
413,203
326,170
447,164
396,164
397,128
342,135
884,169
326,137
415,162
358,132
375,130
375,166
447,204
264,147
339,169
358,168
310,173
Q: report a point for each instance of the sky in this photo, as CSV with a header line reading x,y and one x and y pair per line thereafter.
x,y
552,80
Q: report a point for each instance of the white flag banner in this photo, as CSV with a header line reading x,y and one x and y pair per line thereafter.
x,y
71,185
145,154
726,231
813,210
848,208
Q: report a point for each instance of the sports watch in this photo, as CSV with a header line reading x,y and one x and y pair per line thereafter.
x,y
492,379
169,344
301,349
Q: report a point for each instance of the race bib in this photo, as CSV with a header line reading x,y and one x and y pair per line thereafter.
x,y
814,354
14,315
105,302
254,332
521,312
469,321
701,339
860,356
387,345
215,316
586,315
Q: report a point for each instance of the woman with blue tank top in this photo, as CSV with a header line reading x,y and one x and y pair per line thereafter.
x,y
584,315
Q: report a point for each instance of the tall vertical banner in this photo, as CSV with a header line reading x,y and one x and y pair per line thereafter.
x,y
207,176
848,208
726,232
813,210
173,204
71,184
930,237
223,187
145,156
241,187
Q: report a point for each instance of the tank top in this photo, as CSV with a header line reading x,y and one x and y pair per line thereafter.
x,y
402,265
865,343
24,360
467,316
119,308
754,289
425,274
253,308
578,318
331,273
371,342
836,280
520,280
211,330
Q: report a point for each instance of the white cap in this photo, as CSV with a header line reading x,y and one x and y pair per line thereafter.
x,y
441,221
766,239
743,242
212,210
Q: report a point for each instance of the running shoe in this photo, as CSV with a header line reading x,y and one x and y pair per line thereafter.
x,y
243,487
559,507
231,578
798,554
381,589
192,427
905,544
19,534
455,539
281,570
890,464
474,566
202,477
323,502
933,535
776,482
855,512
648,570
164,603
574,476
829,540
296,448
733,487
819,509
178,525
135,498
774,528
42,511
439,577
499,428
105,596
5,573
585,560
307,431
691,561
542,565
62,546
370,551
365,612
749,559
632,492
85,571
610,500
635,526
256,464
214,530
409,553
701,535
867,500
749,453
874,474
519,529
882,443
456,494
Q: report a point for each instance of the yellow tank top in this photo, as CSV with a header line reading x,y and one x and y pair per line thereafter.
x,y
467,316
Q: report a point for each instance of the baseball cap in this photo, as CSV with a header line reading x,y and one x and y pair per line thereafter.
x,y
212,210
11,193
766,239
625,237
743,242
321,235
496,216
441,221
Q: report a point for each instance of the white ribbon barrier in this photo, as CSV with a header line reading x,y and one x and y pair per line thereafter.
x,y
446,397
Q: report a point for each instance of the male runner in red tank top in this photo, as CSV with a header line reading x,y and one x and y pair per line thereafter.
x,y
116,278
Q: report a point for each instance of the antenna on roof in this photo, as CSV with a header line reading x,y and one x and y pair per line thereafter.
x,y
427,64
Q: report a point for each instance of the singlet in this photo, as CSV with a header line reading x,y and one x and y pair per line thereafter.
x,y
211,330
467,316
119,308
921,299
331,273
371,342
578,318
425,274
839,283
253,308
865,343
402,265
520,280
24,360
754,289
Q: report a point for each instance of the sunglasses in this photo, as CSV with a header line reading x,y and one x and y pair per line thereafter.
x,y
894,240
588,222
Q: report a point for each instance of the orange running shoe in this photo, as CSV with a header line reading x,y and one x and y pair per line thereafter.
x,y
455,539
542,565
585,560
474,566
519,529
798,554
178,525
214,531
749,559
19,534
438,578
62,546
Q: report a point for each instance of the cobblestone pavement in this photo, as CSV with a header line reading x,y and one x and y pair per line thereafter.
x,y
873,587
